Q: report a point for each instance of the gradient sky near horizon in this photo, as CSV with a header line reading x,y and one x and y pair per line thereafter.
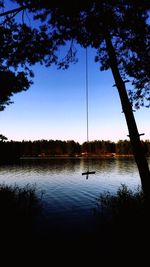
x,y
55,106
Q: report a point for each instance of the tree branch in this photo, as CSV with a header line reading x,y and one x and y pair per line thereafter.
x,y
15,10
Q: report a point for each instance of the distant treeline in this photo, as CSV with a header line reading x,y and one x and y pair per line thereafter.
x,y
15,150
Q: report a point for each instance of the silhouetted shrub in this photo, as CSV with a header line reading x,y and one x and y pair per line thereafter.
x,y
122,205
19,208
124,222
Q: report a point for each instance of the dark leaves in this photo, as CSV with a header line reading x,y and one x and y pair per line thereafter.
x,y
11,83
55,23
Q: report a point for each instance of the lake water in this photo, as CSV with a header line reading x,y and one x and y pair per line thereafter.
x,y
66,193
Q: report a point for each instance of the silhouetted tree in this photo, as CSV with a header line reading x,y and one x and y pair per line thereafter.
x,y
3,138
119,30
13,150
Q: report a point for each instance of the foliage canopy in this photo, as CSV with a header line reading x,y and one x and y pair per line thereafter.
x,y
57,23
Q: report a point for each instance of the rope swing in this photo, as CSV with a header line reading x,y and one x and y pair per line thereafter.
x,y
88,172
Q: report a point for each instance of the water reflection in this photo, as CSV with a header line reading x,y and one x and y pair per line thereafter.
x,y
64,185
69,198
54,165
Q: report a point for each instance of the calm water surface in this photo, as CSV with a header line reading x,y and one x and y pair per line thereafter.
x,y
65,191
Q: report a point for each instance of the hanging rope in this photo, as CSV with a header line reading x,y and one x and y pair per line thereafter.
x,y
87,98
87,115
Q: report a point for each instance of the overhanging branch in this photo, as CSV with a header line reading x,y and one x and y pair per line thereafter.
x,y
12,11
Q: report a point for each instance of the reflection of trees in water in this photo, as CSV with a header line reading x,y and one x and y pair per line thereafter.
x,y
76,165
118,165
53,165
98,164
125,165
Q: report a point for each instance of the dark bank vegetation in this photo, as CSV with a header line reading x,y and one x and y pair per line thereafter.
x,y
19,209
122,227
124,220
11,150
124,205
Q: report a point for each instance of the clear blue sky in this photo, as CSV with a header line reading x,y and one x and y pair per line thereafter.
x,y
54,107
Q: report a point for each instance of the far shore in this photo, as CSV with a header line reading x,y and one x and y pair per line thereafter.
x,y
75,157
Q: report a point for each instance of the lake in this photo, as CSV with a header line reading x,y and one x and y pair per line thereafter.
x,y
65,192
69,199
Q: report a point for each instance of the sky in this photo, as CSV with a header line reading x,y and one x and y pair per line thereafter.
x,y
55,106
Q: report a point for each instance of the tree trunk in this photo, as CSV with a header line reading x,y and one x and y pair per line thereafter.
x,y
138,150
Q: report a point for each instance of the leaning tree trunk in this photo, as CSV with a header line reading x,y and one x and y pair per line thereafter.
x,y
138,150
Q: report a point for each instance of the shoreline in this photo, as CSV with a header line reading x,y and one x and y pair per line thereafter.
x,y
75,157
